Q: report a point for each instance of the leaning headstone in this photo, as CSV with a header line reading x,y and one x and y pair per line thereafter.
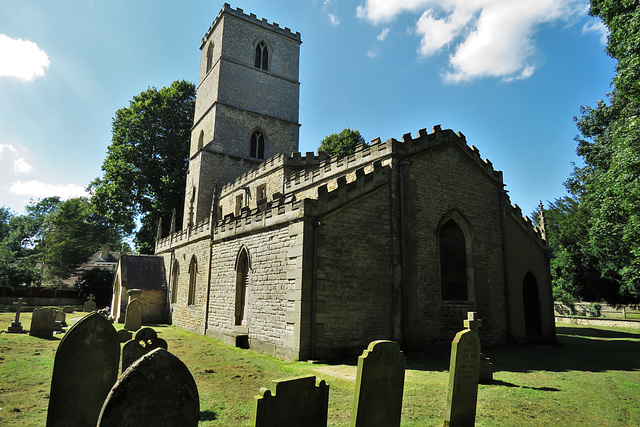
x,y
463,375
145,340
377,400
42,323
133,315
157,390
16,325
296,402
90,305
84,370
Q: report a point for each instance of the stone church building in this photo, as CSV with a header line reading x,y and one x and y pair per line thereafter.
x,y
310,256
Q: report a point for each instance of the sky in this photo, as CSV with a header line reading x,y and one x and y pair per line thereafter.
x,y
509,74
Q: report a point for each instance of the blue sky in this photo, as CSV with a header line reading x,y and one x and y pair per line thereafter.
x,y
509,74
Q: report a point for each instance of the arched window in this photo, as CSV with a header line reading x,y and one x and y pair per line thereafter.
x,y
175,274
209,56
531,300
201,140
262,56
193,274
257,145
242,279
454,279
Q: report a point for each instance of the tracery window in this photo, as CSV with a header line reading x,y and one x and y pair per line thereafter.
x,y
262,56
257,145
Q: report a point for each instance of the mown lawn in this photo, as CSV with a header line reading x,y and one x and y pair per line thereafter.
x,y
592,378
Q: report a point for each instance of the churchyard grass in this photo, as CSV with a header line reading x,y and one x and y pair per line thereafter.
x,y
591,378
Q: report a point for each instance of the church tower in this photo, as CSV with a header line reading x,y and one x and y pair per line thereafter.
x,y
247,104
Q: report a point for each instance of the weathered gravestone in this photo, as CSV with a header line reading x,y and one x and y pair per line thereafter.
x,y
133,315
377,400
296,402
84,370
145,340
16,326
68,310
61,317
463,375
42,323
157,390
124,335
90,305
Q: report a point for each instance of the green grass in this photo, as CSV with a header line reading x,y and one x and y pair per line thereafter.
x,y
592,378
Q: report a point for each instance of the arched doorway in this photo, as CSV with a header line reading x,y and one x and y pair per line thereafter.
x,y
242,277
531,300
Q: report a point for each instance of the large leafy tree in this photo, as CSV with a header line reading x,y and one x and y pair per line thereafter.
x,y
607,187
144,173
341,144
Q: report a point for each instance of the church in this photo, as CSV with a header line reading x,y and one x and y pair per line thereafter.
x,y
306,256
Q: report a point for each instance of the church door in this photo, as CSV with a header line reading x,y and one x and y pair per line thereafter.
x,y
242,276
531,306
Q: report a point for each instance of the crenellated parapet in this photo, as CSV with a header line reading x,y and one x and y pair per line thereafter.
x,y
254,19
527,225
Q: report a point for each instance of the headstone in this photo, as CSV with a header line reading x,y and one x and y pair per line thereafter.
x,y
157,390
90,305
16,325
61,317
68,310
84,370
463,375
296,402
42,323
145,341
377,400
133,315
485,374
124,335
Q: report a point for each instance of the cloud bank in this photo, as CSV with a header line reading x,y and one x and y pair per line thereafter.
x,y
21,59
39,190
485,38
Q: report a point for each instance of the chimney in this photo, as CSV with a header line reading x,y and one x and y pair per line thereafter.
x,y
106,249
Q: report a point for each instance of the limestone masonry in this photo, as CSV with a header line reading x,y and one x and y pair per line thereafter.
x,y
310,256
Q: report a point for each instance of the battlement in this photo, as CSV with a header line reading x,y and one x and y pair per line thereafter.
x,y
527,225
254,19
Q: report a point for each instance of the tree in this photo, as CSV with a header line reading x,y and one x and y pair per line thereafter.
x,y
144,173
607,187
96,281
341,144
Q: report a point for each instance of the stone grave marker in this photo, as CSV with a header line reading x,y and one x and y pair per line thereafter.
x,y
377,400
16,325
61,317
463,375
133,315
90,305
42,323
157,390
296,402
68,310
145,340
124,335
84,370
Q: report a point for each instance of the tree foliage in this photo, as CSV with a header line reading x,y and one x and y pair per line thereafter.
x,y
96,281
144,173
607,188
341,144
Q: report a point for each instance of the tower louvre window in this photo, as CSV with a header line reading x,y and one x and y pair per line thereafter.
x,y
209,56
262,56
257,145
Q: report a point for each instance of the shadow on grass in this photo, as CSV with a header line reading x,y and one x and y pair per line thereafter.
x,y
208,416
512,385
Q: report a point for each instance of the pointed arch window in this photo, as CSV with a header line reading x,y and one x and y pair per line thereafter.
x,y
209,57
262,56
257,145
175,274
201,140
454,262
193,275
242,279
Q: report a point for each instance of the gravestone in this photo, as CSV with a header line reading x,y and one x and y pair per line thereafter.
x,y
124,335
377,400
16,325
145,340
42,323
68,310
61,317
84,370
296,402
133,315
90,305
463,375
157,390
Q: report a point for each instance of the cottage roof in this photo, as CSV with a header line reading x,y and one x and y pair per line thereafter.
x,y
144,272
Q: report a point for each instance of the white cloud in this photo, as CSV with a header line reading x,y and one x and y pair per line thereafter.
x,y
19,164
598,27
21,59
39,190
383,35
334,19
486,38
